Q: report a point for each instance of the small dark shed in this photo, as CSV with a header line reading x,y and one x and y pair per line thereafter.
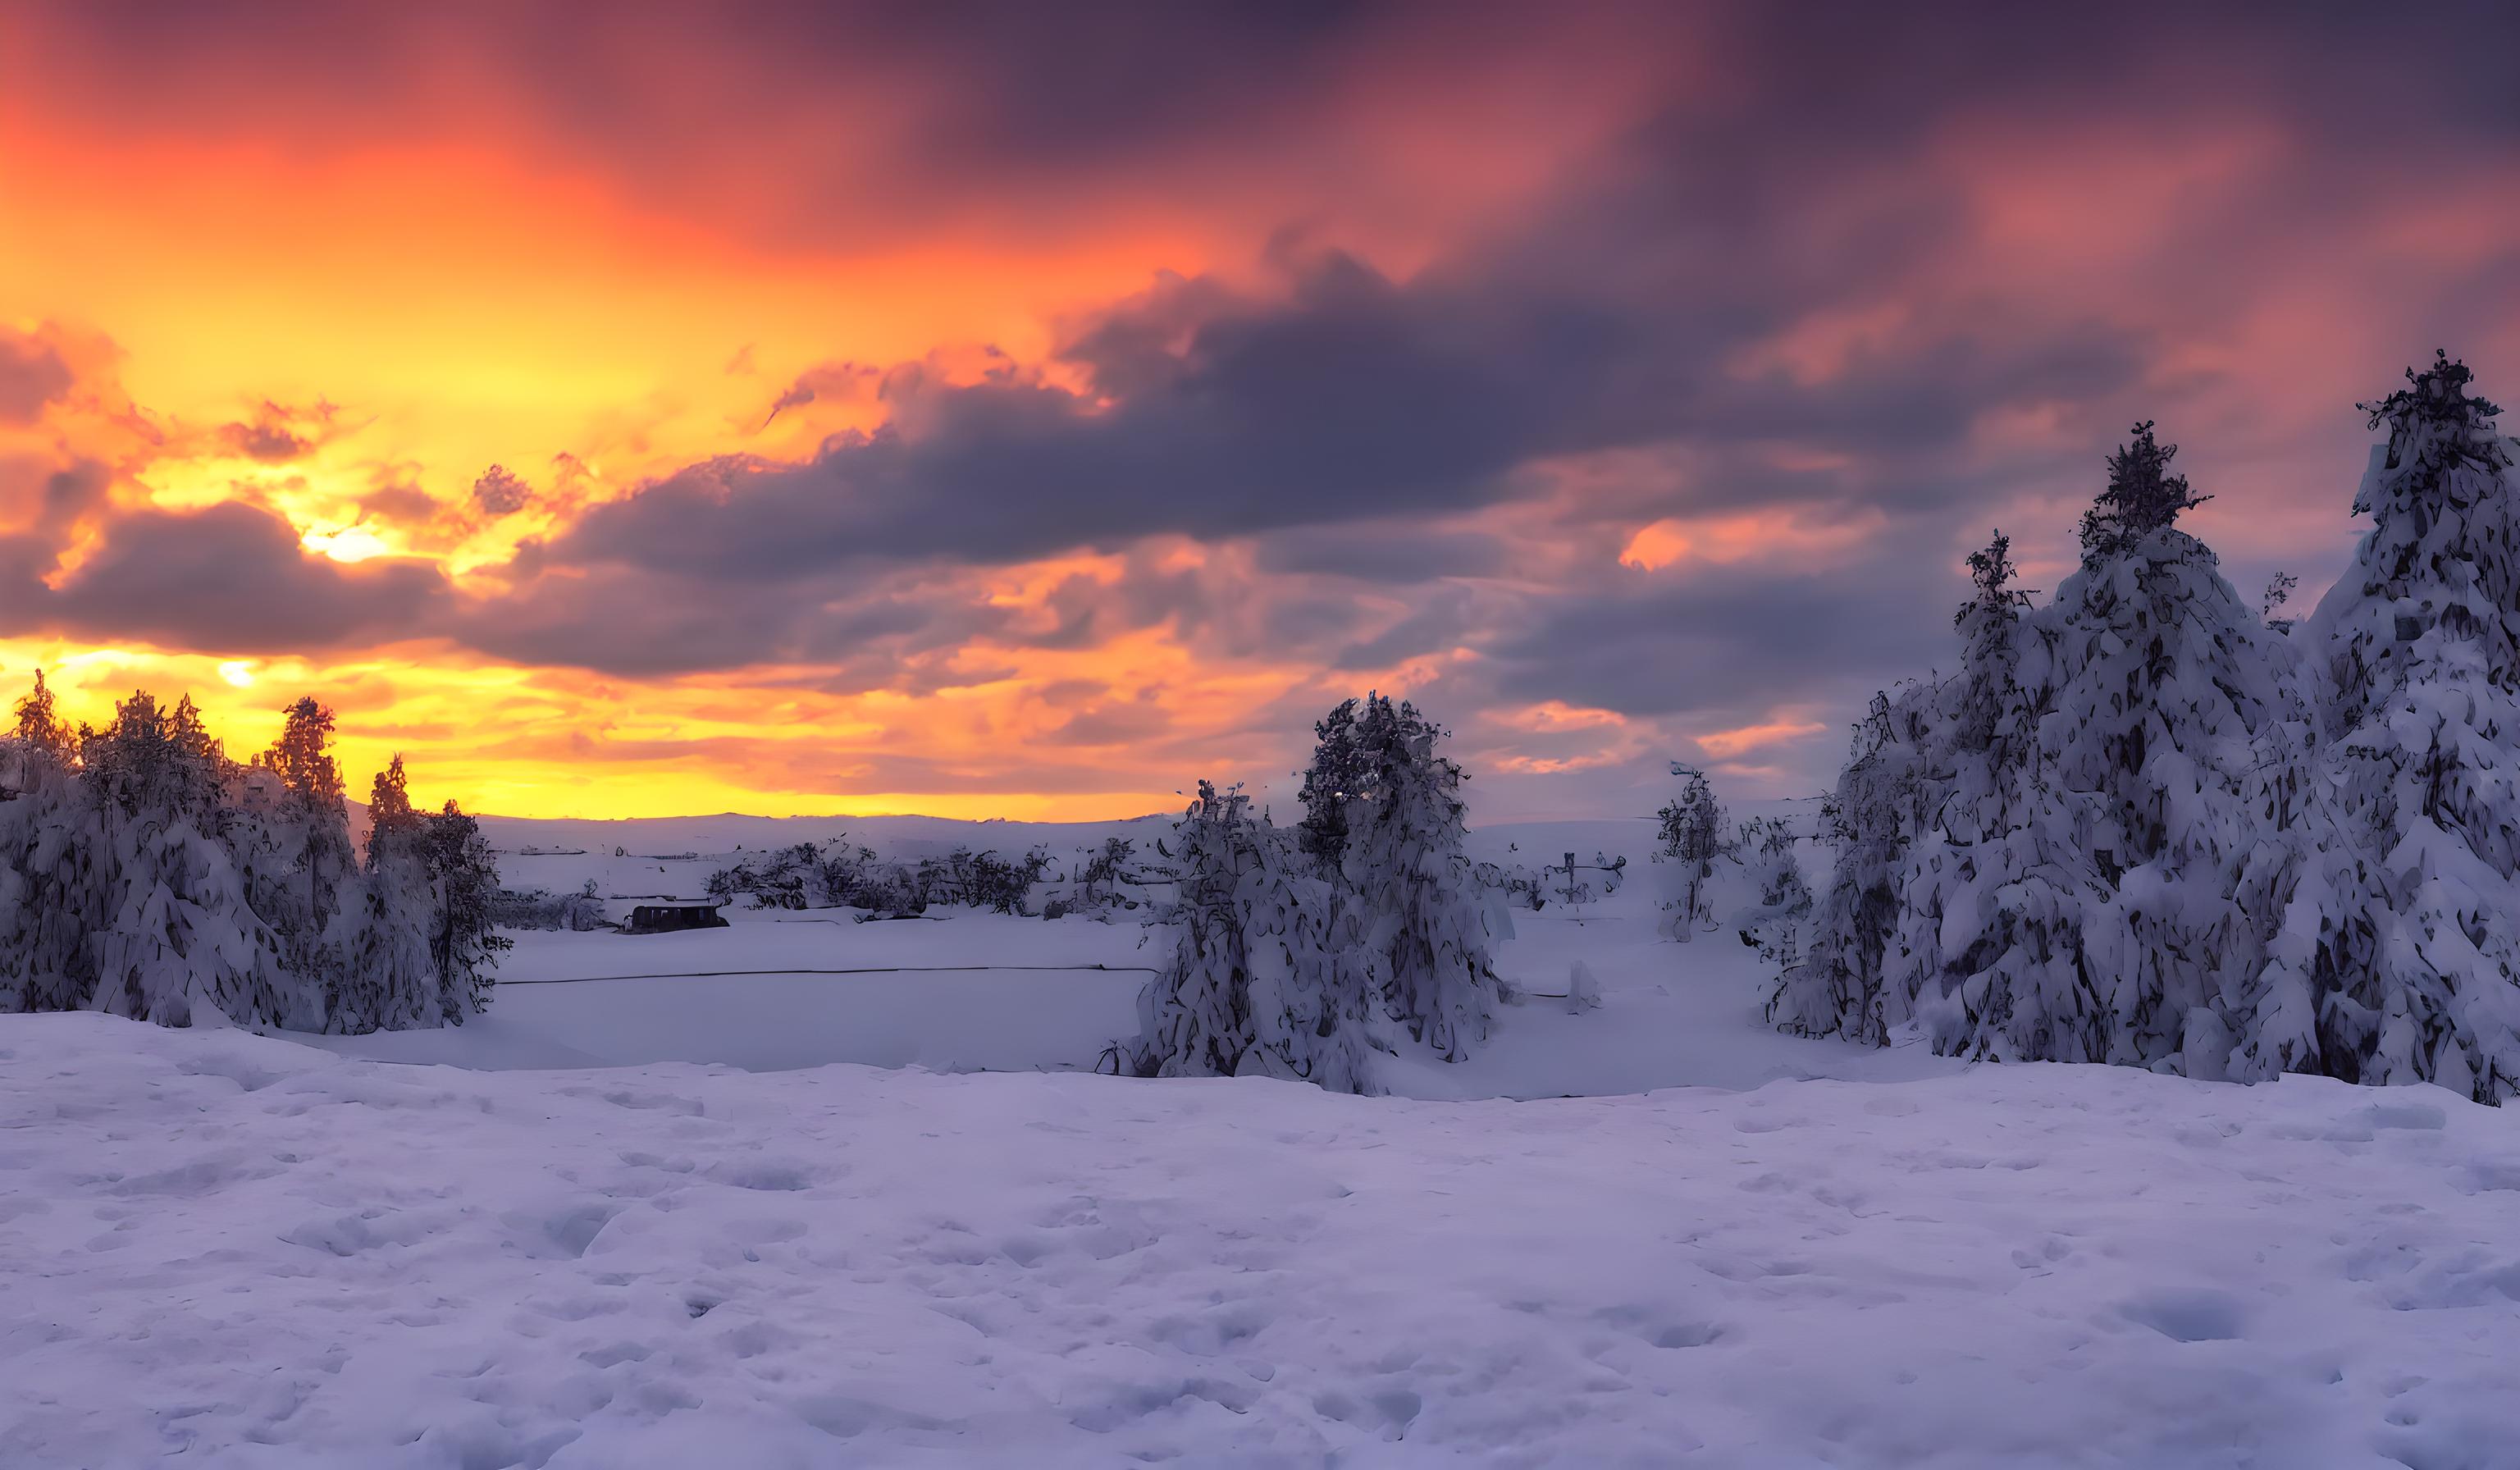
x,y
666,919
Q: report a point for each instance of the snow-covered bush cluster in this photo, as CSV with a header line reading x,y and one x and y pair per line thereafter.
x,y
1302,952
1781,903
839,874
145,873
578,913
1112,880
2144,825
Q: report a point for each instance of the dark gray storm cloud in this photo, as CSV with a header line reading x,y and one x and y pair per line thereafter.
x,y
228,579
868,633
1731,642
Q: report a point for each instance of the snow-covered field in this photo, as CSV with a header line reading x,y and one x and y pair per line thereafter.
x,y
231,1251
996,993
622,1222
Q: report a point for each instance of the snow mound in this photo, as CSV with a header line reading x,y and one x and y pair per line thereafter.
x,y
235,1251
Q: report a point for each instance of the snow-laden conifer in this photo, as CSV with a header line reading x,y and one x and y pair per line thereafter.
x,y
179,942
2394,955
1988,956
390,980
1430,926
465,944
2148,684
50,894
1339,771
143,872
1872,818
291,836
1269,975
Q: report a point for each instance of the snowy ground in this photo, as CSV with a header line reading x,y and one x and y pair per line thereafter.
x,y
224,1250
633,1222
972,993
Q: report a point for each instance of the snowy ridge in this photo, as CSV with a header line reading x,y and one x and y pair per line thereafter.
x,y
679,1266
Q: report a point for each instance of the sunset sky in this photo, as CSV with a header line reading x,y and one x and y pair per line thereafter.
x,y
1027,410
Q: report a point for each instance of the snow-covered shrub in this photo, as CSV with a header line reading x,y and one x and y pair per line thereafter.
x,y
840,874
1113,879
1270,975
979,880
791,878
1781,902
578,913
1692,839
1100,876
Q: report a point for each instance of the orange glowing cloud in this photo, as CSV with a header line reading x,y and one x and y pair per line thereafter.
x,y
1732,744
1725,540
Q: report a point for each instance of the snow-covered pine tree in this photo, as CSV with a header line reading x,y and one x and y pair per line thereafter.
x,y
2149,685
1338,772
51,893
1989,954
289,833
2396,956
141,869
179,942
1691,838
389,980
391,819
2303,866
1872,818
42,731
1268,976
466,945
1193,1020
1430,926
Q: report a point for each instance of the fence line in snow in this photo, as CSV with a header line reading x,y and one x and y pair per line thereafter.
x,y
862,969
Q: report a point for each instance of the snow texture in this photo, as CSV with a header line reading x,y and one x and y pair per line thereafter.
x,y
233,1251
